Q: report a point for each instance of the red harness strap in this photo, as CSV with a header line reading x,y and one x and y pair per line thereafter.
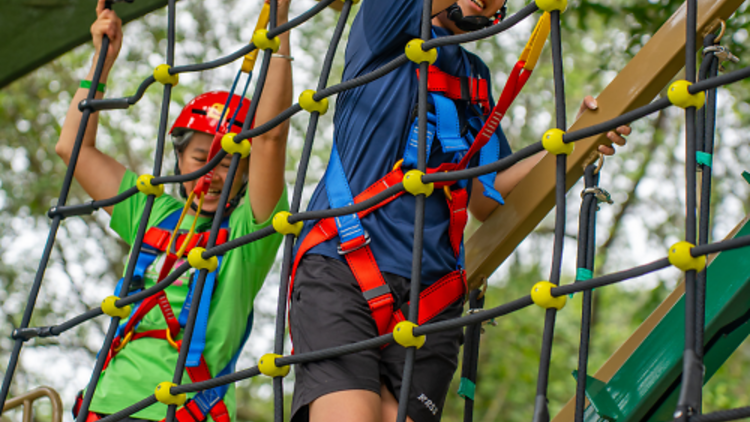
x,y
459,87
158,239
362,263
449,85
191,412
434,299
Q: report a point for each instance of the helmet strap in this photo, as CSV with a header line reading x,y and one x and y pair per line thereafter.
x,y
473,23
177,172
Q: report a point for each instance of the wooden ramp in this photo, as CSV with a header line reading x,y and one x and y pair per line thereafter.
x,y
640,381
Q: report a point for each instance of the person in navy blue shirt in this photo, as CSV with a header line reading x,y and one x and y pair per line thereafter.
x,y
373,124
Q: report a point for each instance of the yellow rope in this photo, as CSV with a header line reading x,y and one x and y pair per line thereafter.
x,y
533,48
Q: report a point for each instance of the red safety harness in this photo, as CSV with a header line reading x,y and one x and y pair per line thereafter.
x,y
358,253
362,262
158,240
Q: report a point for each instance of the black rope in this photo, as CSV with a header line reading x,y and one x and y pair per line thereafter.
x,y
704,128
541,411
707,116
470,364
692,373
419,209
586,241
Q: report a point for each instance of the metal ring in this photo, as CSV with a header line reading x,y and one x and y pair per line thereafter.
x,y
723,29
484,288
600,164
125,341
170,341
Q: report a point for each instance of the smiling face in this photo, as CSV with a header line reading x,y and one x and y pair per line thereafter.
x,y
195,155
486,8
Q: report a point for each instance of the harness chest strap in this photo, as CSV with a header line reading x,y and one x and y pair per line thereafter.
x,y
155,241
466,88
158,240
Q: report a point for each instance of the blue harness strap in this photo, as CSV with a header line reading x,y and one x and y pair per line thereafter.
x,y
340,195
448,125
198,341
207,399
489,153
412,144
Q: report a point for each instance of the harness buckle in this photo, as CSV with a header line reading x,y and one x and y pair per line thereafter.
x,y
354,244
150,249
466,84
196,240
600,194
177,235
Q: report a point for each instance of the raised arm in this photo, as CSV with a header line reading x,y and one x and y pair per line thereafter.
x,y
481,207
99,174
267,159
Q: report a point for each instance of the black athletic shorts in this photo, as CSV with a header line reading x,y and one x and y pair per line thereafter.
x,y
328,310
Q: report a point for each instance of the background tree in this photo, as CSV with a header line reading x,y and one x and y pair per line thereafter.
x,y
645,178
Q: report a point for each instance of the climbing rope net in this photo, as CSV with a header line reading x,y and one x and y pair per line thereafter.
x,y
689,255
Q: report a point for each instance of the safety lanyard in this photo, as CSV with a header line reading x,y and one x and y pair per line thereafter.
x,y
517,79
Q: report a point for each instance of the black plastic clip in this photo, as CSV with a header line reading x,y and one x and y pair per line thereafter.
x,y
26,334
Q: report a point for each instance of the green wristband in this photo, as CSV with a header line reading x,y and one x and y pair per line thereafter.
x,y
86,84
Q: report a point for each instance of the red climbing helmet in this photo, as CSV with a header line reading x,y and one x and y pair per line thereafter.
x,y
202,114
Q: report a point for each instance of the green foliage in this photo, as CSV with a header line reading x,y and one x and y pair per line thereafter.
x,y
645,178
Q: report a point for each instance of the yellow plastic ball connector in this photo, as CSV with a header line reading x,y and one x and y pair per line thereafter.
x,y
164,396
679,256
541,294
403,334
282,225
262,42
267,366
145,186
161,74
196,260
415,53
679,95
308,103
552,141
109,308
414,185
552,5
231,147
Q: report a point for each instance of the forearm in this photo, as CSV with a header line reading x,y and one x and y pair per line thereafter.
x,y
481,206
268,156
508,179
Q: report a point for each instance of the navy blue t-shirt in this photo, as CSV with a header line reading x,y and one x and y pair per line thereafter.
x,y
371,127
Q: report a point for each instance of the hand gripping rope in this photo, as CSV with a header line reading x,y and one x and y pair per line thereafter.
x,y
689,258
